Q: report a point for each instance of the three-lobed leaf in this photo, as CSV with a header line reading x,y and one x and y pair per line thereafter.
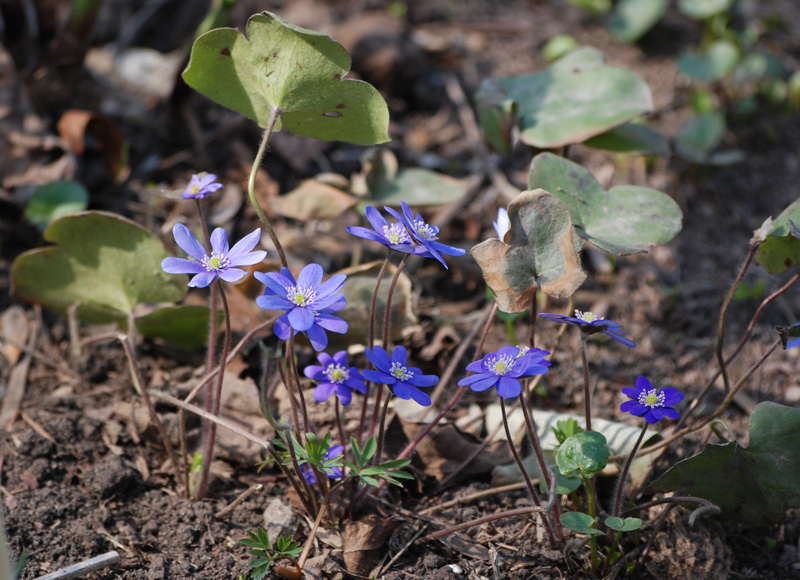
x,y
624,220
298,72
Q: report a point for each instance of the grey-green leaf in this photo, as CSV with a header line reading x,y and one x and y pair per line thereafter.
x,y
54,200
633,18
754,484
540,248
717,62
631,138
576,98
184,326
624,220
626,525
780,251
297,71
702,9
579,522
103,261
585,452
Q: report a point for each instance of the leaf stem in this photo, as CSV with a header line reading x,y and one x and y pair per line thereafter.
x,y
587,393
623,476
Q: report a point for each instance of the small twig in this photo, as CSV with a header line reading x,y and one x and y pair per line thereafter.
x,y
473,496
238,501
483,520
83,568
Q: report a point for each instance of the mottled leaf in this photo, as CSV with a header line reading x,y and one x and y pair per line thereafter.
x,y
780,251
297,71
540,248
754,484
103,261
624,220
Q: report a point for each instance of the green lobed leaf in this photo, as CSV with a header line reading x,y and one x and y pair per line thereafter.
x,y
633,18
626,525
702,9
576,98
631,138
55,200
717,62
300,72
780,251
417,187
624,220
754,485
498,115
103,261
586,452
700,135
540,248
579,522
184,326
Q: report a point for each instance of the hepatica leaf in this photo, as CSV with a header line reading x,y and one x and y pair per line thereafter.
x,y
184,326
53,200
633,18
576,98
631,138
298,71
102,260
780,251
712,65
754,485
540,248
624,220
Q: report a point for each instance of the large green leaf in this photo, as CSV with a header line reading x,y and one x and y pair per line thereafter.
x,y
184,326
540,248
631,138
712,65
780,251
103,261
754,484
300,72
576,98
633,18
624,220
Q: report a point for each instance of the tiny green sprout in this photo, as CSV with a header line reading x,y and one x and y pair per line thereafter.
x,y
565,429
579,522
265,554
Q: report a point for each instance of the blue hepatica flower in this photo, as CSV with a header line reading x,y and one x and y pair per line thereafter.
x,y
590,324
404,380
309,303
199,187
503,368
393,236
503,224
425,235
654,404
333,452
335,377
222,262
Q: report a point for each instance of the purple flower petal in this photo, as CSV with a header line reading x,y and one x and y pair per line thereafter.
x,y
323,392
301,319
188,243
231,274
508,388
202,279
219,241
311,276
181,266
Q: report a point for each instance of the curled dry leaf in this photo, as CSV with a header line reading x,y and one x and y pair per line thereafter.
x,y
540,248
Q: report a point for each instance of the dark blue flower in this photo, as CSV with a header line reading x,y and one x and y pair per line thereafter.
x,y
221,262
590,324
654,404
503,368
200,187
309,303
333,452
403,380
334,376
393,236
425,235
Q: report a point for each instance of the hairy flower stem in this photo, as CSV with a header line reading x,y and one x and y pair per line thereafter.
x,y
592,504
373,307
387,316
532,331
724,309
530,424
292,402
210,427
624,475
587,393
251,184
696,402
526,477
213,306
294,381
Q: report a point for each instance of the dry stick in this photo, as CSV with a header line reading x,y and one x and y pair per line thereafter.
x,y
483,520
721,325
231,426
210,429
444,381
525,475
387,315
239,500
83,568
724,405
139,380
251,184
473,496
696,402
373,306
